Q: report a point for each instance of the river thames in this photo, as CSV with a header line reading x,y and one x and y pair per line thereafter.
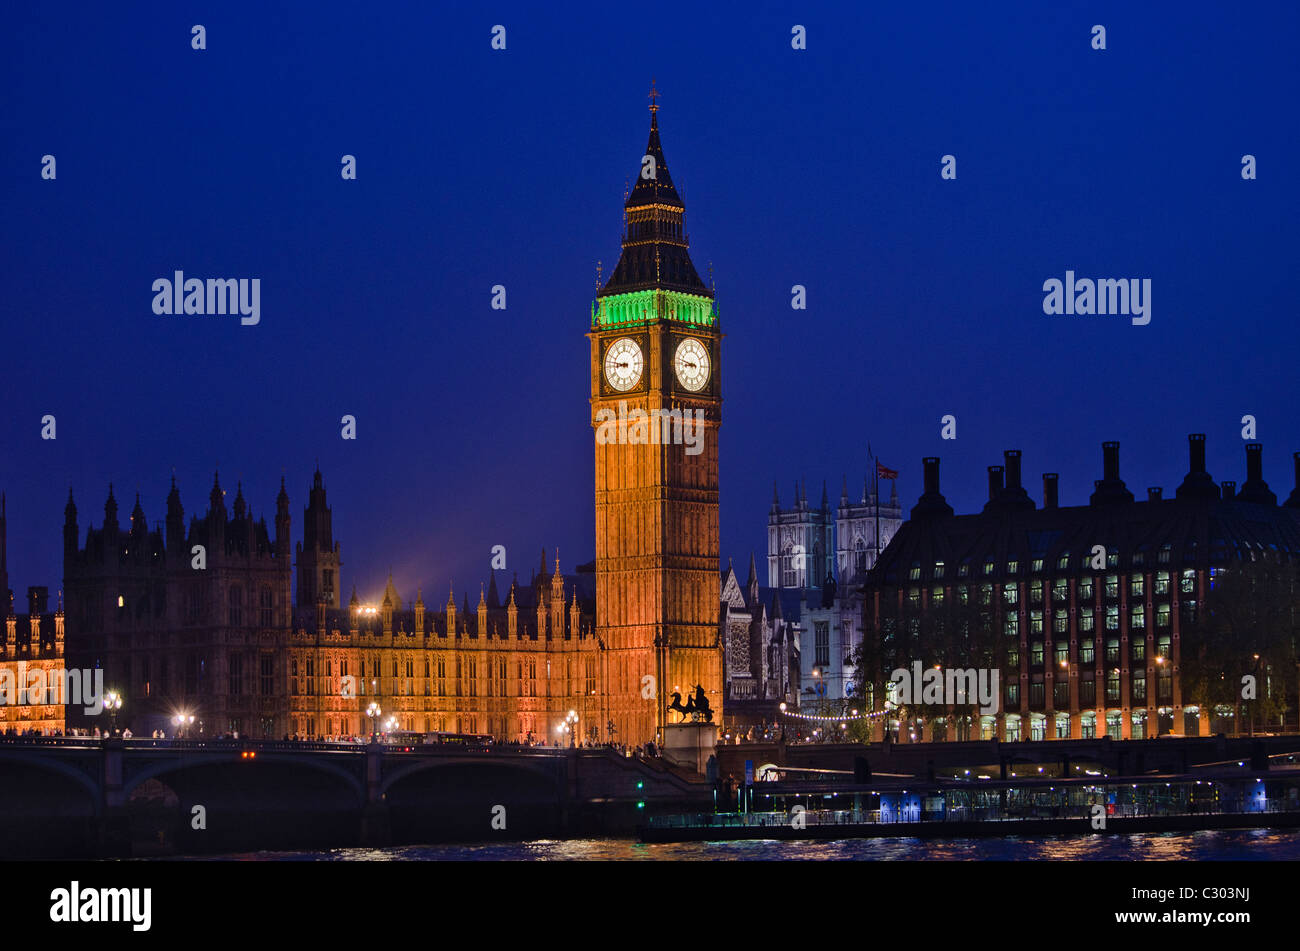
x,y
1235,845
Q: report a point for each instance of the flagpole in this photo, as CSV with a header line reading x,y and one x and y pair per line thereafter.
x,y
875,469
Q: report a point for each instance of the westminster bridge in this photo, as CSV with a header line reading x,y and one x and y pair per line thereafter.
x,y
71,797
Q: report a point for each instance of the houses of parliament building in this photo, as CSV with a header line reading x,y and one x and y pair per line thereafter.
x,y
200,618
226,643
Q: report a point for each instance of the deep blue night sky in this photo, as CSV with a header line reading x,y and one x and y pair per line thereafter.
x,y
477,168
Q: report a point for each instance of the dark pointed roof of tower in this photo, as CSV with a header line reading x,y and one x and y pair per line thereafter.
x,y
493,599
658,190
655,249
217,497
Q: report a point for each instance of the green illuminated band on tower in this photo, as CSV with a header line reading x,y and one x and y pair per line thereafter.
x,y
643,307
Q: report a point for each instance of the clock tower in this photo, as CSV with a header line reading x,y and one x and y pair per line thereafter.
x,y
656,404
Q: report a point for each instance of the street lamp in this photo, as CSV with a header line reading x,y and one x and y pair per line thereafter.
x,y
113,703
374,713
182,721
571,725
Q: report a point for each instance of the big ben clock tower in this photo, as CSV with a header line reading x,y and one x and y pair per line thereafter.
x,y
655,351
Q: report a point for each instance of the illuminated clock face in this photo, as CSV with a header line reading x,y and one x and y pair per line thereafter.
x,y
692,364
623,364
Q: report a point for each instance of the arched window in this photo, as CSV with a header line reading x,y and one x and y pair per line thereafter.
x,y
787,568
236,606
860,558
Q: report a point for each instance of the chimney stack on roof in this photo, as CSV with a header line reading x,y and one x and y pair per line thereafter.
x,y
1011,462
1110,487
995,483
1051,498
1197,484
931,501
1110,461
1255,489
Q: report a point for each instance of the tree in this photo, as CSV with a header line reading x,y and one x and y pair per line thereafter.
x,y
951,630
958,633
1244,627
875,657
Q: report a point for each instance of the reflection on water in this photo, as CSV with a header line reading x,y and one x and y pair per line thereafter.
x,y
1235,845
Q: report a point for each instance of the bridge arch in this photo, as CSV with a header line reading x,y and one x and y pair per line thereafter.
x,y
163,767
552,772
51,764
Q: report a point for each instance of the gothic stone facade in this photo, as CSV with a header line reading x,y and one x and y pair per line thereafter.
x,y
761,646
825,554
200,621
655,347
33,641
512,671
185,619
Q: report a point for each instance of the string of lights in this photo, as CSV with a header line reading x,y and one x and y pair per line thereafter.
x,y
841,719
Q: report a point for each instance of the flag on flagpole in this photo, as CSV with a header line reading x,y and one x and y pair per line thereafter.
x,y
885,473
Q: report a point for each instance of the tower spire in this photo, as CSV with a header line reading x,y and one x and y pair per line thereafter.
x,y
655,250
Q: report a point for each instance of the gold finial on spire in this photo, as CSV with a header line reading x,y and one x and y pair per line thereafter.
x,y
654,97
